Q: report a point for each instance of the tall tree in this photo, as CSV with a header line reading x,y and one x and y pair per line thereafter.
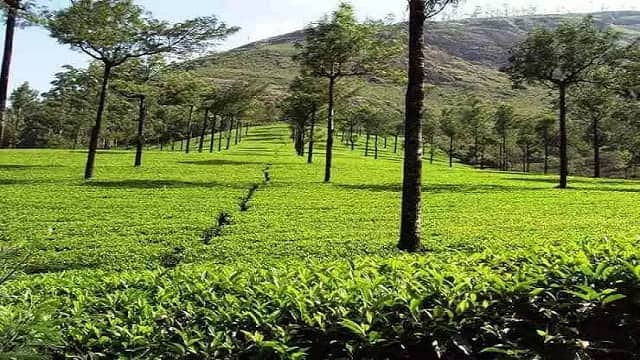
x,y
135,83
339,46
419,12
115,31
546,133
473,118
504,119
560,59
450,127
300,109
594,105
16,12
185,90
525,139
24,102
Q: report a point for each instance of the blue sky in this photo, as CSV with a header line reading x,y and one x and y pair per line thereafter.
x,y
37,56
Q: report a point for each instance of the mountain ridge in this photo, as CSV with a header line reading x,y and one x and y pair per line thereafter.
x,y
462,55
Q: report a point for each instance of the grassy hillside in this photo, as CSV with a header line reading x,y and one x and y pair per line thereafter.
x,y
134,262
463,56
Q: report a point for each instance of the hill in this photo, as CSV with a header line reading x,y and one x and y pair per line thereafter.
x,y
462,56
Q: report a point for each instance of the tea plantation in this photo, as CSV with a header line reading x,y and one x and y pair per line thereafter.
x,y
199,256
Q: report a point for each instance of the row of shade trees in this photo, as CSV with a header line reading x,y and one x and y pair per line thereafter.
x,y
130,77
150,103
593,71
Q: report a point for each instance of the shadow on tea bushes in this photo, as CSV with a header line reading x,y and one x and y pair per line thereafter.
x,y
554,305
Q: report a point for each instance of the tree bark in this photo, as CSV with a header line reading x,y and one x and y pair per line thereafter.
x,y
203,133
223,122
213,133
229,133
451,151
395,144
432,149
375,156
564,159
330,130
475,146
12,14
189,129
546,151
366,146
351,137
527,157
312,137
95,132
238,126
142,115
596,148
412,181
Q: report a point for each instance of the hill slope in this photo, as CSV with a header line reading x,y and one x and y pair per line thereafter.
x,y
462,55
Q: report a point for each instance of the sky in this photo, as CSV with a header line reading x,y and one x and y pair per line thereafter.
x,y
37,57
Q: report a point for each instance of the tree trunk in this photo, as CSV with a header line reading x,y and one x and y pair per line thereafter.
x,y
596,149
181,144
222,124
76,134
213,133
375,156
475,146
412,181
12,14
203,133
564,159
451,151
366,146
351,136
229,133
432,149
330,130
246,132
312,137
546,151
237,132
395,144
95,132
189,129
142,115
173,144
527,158
504,153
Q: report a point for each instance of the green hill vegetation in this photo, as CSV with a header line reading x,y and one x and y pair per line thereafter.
x,y
463,56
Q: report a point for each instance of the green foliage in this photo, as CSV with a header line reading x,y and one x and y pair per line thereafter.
x,y
341,46
563,56
114,31
119,267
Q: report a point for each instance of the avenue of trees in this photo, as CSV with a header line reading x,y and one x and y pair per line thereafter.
x,y
141,97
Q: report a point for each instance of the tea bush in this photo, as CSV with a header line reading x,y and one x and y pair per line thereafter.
x,y
119,267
